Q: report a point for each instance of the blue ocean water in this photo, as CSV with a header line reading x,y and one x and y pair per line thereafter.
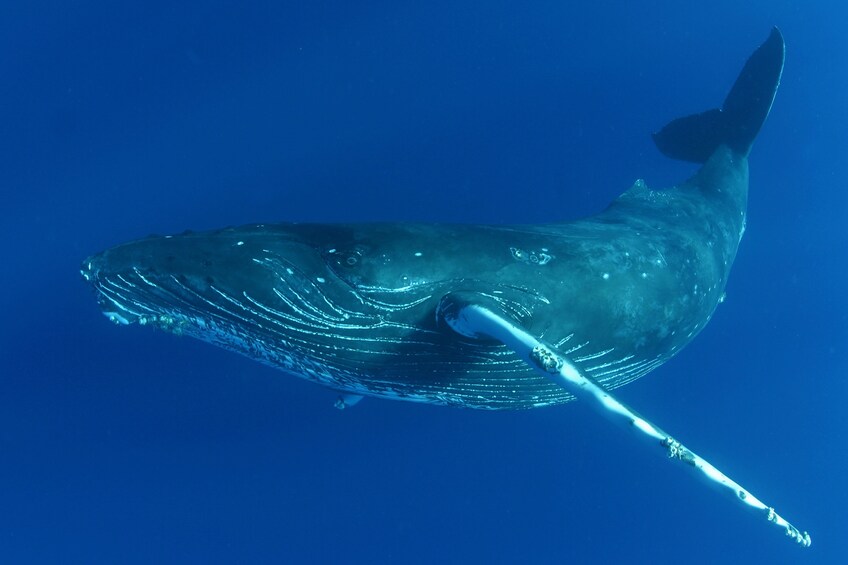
x,y
127,445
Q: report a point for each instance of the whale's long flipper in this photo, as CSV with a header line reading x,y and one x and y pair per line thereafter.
x,y
736,124
471,316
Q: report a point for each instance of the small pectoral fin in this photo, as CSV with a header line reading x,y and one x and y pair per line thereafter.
x,y
347,400
473,316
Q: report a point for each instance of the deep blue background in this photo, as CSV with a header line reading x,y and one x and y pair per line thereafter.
x,y
126,445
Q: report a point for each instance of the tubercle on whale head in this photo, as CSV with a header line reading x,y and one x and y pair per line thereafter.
x,y
114,310
119,307
161,280
278,278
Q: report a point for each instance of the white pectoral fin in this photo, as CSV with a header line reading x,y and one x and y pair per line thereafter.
x,y
346,400
472,318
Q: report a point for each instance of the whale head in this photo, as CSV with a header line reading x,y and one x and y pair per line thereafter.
x,y
313,300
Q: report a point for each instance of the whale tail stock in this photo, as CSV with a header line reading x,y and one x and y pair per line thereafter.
x,y
694,138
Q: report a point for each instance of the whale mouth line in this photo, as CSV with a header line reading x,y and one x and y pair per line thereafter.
x,y
114,304
120,296
116,307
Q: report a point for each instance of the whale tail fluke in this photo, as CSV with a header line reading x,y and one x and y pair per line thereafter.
x,y
736,124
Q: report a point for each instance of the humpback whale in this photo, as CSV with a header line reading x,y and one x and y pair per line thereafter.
x,y
478,316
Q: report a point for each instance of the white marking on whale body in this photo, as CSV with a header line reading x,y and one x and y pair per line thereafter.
x,y
117,318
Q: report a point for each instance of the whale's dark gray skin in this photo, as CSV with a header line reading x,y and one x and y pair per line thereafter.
x,y
488,317
355,307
